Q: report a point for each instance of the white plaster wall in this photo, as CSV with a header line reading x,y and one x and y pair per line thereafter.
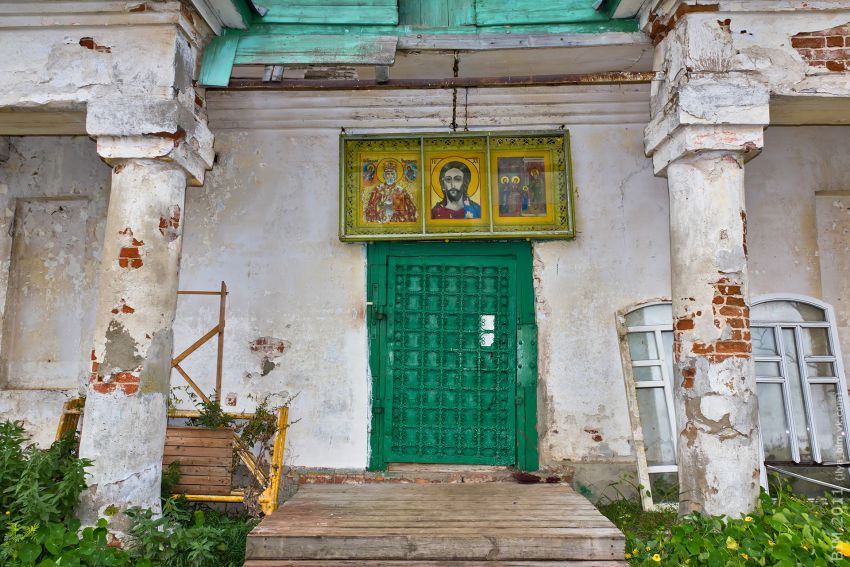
x,y
620,257
59,166
266,222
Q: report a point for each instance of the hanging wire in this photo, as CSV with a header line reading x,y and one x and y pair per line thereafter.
x,y
455,72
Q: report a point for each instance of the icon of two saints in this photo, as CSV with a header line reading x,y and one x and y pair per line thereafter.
x,y
390,201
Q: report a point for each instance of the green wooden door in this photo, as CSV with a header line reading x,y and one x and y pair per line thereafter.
x,y
443,334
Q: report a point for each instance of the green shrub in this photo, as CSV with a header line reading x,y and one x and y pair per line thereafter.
x,y
39,489
184,536
788,531
56,545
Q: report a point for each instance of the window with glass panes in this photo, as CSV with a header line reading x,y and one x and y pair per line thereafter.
x,y
649,335
801,389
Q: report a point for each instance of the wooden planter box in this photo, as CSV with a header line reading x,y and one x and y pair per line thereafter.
x,y
205,456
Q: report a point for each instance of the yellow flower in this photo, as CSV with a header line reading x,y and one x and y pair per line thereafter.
x,y
634,551
805,546
771,542
745,556
8,513
628,556
843,548
656,558
748,519
731,543
647,548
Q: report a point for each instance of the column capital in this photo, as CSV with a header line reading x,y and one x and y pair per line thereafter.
x,y
710,112
152,128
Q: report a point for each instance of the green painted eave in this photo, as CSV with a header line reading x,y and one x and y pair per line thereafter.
x,y
276,43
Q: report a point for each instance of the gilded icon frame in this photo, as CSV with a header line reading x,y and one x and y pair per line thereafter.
x,y
492,185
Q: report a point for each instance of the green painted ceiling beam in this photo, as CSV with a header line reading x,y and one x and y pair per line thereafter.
x,y
515,13
365,31
218,59
274,49
361,12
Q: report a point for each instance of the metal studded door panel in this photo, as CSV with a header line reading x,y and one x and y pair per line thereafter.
x,y
451,360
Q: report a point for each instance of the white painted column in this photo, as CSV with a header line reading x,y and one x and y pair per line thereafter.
x,y
713,377
125,413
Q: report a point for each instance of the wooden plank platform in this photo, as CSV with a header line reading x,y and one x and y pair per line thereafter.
x,y
452,525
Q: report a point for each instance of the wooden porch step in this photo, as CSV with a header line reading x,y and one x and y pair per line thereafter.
x,y
435,524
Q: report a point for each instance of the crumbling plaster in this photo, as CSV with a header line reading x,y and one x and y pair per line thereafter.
x,y
266,222
57,167
40,167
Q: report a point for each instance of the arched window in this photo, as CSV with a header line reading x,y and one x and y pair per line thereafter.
x,y
802,390
801,386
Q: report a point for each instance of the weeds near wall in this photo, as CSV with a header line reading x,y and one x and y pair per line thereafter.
x,y
785,529
185,536
39,489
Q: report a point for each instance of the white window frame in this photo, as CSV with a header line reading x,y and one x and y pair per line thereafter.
x,y
632,385
802,360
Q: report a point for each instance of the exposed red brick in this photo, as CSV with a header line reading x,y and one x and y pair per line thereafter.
x,y
736,322
139,8
129,252
741,335
735,301
177,135
808,42
90,43
730,289
702,348
168,226
659,29
123,262
125,378
138,242
732,347
130,389
730,311
718,299
843,29
825,48
688,374
103,387
136,263
684,324
127,309
831,54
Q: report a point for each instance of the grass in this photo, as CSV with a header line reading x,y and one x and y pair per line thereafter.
x,y
628,515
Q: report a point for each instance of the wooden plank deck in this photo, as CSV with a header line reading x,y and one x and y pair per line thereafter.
x,y
450,525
